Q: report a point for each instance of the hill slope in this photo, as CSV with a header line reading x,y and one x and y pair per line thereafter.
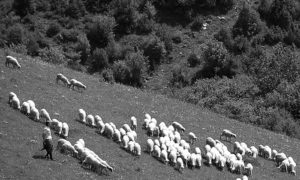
x,y
21,137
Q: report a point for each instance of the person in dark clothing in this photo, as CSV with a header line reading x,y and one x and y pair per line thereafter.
x,y
48,146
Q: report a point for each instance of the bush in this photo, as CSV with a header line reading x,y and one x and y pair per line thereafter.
x,y
75,65
52,55
32,47
241,45
274,35
180,77
164,32
121,72
99,60
101,32
197,24
83,48
114,52
76,9
69,35
53,30
145,25
194,60
108,75
15,34
282,13
224,35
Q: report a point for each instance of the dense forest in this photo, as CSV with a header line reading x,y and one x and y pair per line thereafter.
x,y
237,58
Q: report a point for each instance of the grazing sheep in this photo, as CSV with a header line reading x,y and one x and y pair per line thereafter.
x,y
62,78
292,166
267,152
60,142
179,164
117,136
82,115
178,127
198,160
126,127
25,108
113,125
31,104
90,120
254,151
245,177
46,133
122,131
10,96
279,157
65,130
147,116
157,151
108,130
125,141
207,148
96,163
177,137
260,150
248,169
78,84
45,114
150,146
137,149
133,122
192,137
222,162
228,134
274,153
80,142
192,160
13,61
99,124
197,150
67,148
210,141
34,114
162,126
237,148
284,165
15,103
156,142
130,146
173,157
171,128
59,128
237,166
131,136
146,123
54,124
154,121
151,128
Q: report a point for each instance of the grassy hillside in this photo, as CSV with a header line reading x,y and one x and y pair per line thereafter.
x,y
21,137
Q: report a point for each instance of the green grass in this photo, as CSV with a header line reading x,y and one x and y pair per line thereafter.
x,y
21,140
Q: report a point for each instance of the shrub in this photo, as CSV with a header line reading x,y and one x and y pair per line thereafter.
x,y
224,35
164,32
83,48
108,75
99,60
15,34
145,25
241,45
282,13
97,6
121,72
22,7
76,9
52,55
32,47
69,35
194,60
114,52
197,23
274,35
53,30
179,77
75,65
101,32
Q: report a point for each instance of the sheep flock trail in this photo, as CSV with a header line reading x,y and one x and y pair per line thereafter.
x,y
21,138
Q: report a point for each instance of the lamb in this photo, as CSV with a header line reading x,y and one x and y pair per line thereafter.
x,y
179,164
248,169
25,108
133,122
45,114
78,84
15,103
279,158
108,130
34,114
228,134
178,127
150,146
254,151
82,115
125,141
62,78
192,137
13,61
284,165
117,136
137,149
10,96
267,152
65,130
292,165
90,120
210,141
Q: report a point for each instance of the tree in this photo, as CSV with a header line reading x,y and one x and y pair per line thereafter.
x,y
83,47
99,60
282,13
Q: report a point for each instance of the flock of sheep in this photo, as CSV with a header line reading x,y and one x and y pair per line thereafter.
x,y
167,145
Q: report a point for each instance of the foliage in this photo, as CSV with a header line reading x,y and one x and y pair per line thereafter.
x,y
274,35
76,9
180,77
114,52
32,47
282,13
53,29
121,72
22,7
241,45
108,75
99,60
83,47
194,60
96,6
197,24
224,35
15,34
163,31
52,55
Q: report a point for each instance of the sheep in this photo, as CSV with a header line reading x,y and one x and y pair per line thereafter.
x,y
154,121
96,163
178,127
237,166
246,149
156,142
69,149
78,84
173,157
15,103
90,120
117,136
133,122
13,61
279,158
222,162
207,148
198,160
80,142
163,147
248,169
10,96
25,108
59,128
126,127
65,130
179,164
46,133
31,104
192,137
34,114
156,131
60,142
131,136
150,146
171,128
210,141
274,153
45,114
63,79
125,141
54,124
192,160
113,125
177,137
147,116
284,165
146,123
197,150
267,152
254,151
99,125
82,115
237,148
162,126
185,155
122,131
151,128
157,151
130,146
137,149
292,165
245,177
260,150
228,134
108,130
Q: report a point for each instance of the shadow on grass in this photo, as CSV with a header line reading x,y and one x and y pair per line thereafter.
x,y
39,156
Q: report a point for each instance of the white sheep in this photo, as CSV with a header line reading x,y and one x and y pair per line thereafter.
x,y
222,162
248,169
25,108
156,142
126,127
254,151
246,149
146,123
10,96
173,157
237,148
59,128
82,115
65,130
178,127
179,164
69,149
137,149
150,146
292,165
210,141
192,137
133,122
15,103
207,148
267,152
177,137
34,114
198,160
197,150
162,126
117,136
192,160
46,133
62,78
279,157
78,84
90,120
122,131
151,128
108,130
284,165
125,141
228,134
44,114
130,146
274,153
13,61
131,136
156,151
99,124
245,177
237,166
60,142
